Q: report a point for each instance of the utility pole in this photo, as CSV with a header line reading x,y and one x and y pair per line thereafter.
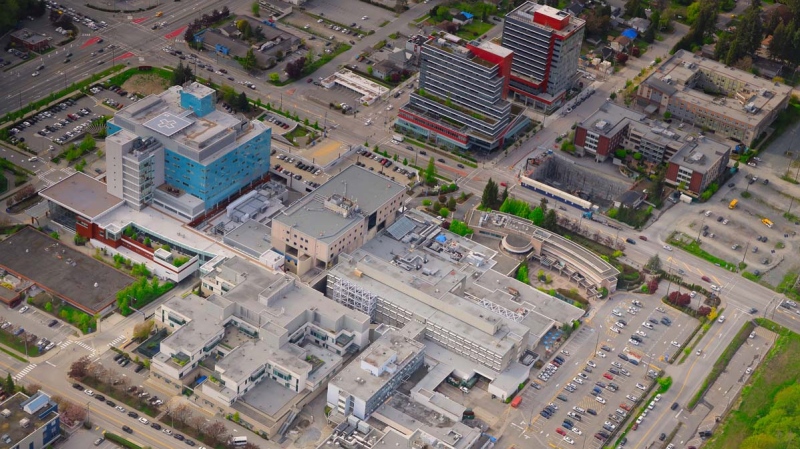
x,y
745,251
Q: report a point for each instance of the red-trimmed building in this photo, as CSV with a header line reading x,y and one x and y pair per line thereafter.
x,y
547,46
462,97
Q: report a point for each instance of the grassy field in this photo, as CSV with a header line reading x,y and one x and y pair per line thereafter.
x,y
767,416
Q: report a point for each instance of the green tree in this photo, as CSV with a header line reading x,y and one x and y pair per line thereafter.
x,y
550,221
48,307
489,197
273,77
249,61
444,212
405,161
369,70
255,8
451,203
504,195
537,216
9,385
522,273
654,263
430,172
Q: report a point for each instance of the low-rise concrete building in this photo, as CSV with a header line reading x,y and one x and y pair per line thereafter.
x,y
255,337
727,101
29,422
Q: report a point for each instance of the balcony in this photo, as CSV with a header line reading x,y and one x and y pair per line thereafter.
x,y
180,359
448,103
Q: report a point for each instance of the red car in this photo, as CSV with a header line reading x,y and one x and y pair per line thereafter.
x,y
706,278
309,80
503,184
561,431
608,376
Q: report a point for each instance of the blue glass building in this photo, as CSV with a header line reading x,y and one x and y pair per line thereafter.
x,y
175,150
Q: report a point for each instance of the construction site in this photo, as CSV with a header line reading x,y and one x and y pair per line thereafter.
x,y
564,175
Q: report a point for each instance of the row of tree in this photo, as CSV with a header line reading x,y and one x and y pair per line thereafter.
x,y
205,21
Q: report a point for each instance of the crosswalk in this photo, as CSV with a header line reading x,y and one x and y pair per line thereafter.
x,y
64,344
24,371
117,340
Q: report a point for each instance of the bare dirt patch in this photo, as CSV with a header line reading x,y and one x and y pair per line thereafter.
x,y
145,84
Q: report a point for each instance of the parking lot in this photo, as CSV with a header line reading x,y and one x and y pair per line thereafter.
x,y
393,170
304,175
590,399
66,122
36,325
739,234
341,12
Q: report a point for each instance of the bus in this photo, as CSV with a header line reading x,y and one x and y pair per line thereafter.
x,y
733,204
238,441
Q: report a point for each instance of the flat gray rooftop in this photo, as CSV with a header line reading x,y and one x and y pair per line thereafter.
x,y
83,281
83,195
250,237
368,190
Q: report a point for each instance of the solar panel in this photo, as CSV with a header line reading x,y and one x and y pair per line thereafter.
x,y
401,227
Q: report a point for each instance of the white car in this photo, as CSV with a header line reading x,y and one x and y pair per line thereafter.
x,y
610,424
693,294
600,399
601,354
620,324
641,387
667,248
35,74
633,342
24,309
121,409
647,325
569,440
144,421
632,398
616,364
641,334
748,370
592,364
578,380
675,343
721,319
565,352
616,312
615,329
657,398
639,419
576,431
715,288
89,392
660,309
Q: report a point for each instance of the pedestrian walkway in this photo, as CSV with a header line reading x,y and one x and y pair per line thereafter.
x,y
64,344
24,371
117,341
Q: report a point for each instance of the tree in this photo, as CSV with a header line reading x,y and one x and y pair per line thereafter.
x,y
654,263
622,58
444,212
400,6
649,35
181,75
489,197
79,368
9,385
274,77
550,221
217,432
198,422
142,330
255,8
71,412
522,273
48,307
182,413
634,8
249,61
294,69
430,172
504,195
536,216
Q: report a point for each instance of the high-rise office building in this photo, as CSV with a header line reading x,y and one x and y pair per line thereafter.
x,y
461,100
175,150
547,44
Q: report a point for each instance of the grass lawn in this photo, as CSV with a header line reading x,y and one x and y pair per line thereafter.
x,y
474,30
767,412
694,248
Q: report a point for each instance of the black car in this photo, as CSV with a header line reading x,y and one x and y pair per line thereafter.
x,y
630,240
127,429
591,411
544,414
636,338
623,356
100,397
606,347
561,397
138,368
111,403
156,426
178,437
665,321
662,437
52,323
674,406
189,442
652,320
77,387
133,415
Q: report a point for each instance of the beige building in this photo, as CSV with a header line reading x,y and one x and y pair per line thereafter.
x,y
336,218
255,342
727,101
